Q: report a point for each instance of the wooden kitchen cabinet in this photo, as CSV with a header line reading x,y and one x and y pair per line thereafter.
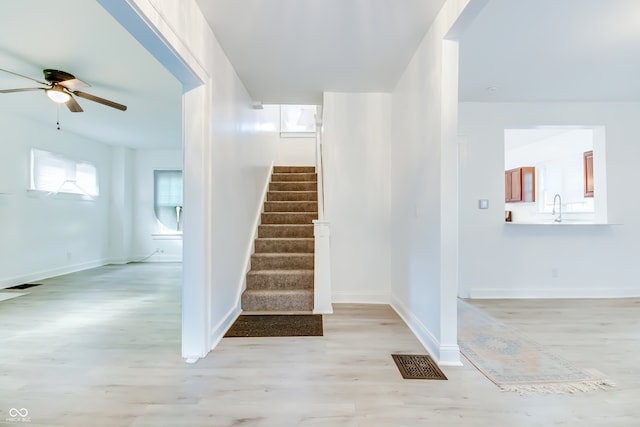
x,y
520,185
588,174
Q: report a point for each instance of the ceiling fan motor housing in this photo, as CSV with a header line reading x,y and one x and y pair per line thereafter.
x,y
57,76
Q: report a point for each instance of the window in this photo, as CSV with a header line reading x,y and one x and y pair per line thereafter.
x,y
168,199
54,173
297,119
558,155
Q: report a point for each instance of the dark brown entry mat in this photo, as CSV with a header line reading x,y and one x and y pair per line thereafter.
x,y
276,325
418,367
25,286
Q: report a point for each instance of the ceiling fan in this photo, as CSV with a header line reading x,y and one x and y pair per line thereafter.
x,y
60,88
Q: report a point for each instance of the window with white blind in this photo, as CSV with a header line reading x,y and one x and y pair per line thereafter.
x,y
54,173
168,198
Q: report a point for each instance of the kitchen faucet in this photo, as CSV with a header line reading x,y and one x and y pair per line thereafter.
x,y
553,212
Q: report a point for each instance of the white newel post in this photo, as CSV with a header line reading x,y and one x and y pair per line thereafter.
x,y
322,269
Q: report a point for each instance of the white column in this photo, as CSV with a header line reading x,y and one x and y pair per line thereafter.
x,y
322,268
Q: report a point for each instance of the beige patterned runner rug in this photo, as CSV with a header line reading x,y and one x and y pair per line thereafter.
x,y
516,363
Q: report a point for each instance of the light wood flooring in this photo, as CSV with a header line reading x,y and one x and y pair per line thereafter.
x,y
102,348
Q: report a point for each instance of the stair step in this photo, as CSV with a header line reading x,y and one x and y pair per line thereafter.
x,y
277,300
293,186
281,261
304,206
284,245
280,279
294,169
292,196
289,217
285,230
294,177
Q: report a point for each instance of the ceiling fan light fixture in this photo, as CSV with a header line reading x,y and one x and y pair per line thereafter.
x,y
57,95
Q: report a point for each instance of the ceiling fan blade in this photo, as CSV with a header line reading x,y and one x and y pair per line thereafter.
x,y
74,84
26,77
100,100
25,89
73,105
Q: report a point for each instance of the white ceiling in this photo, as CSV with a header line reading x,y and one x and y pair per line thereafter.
x,y
290,51
80,37
552,50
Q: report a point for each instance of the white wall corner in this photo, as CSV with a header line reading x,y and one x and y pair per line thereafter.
x,y
322,268
445,355
218,331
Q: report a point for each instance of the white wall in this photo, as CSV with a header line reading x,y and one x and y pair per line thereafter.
x,y
43,236
227,162
357,144
501,260
424,236
291,151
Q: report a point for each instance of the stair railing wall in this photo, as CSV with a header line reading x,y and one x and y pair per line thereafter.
x,y
321,233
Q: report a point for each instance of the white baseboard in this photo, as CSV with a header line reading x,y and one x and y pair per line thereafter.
x,y
558,293
445,355
360,297
53,272
218,331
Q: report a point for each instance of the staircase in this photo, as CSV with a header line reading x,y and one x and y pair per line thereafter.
x,y
281,276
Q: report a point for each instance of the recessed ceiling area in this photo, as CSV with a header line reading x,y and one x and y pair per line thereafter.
x,y
290,51
80,37
552,50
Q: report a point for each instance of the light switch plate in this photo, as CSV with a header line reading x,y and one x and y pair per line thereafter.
x,y
483,204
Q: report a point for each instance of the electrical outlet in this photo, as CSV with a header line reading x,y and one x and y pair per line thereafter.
x,y
554,272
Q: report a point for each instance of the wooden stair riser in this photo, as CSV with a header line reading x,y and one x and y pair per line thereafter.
x,y
277,301
276,230
293,186
280,261
292,196
283,245
280,280
289,217
299,177
303,206
294,169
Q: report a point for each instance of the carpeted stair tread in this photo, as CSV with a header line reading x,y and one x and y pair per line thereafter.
x,y
288,217
281,261
294,169
285,245
275,312
280,279
285,230
293,186
276,177
289,206
272,300
292,196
